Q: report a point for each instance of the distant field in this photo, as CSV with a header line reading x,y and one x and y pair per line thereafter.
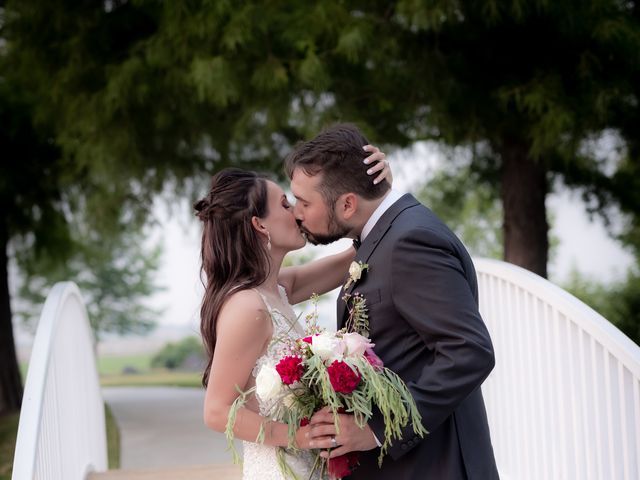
x,y
112,365
153,378
111,373
108,365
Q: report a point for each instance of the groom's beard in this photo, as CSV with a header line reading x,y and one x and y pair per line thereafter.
x,y
335,231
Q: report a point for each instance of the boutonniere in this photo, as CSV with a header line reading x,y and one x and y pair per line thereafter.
x,y
355,273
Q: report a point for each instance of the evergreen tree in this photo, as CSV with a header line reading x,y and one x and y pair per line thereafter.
x,y
151,91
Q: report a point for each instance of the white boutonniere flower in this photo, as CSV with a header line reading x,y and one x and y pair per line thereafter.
x,y
355,272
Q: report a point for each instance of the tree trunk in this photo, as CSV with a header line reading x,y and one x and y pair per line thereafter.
x,y
10,381
524,190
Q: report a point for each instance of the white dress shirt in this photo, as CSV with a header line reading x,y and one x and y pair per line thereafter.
x,y
392,197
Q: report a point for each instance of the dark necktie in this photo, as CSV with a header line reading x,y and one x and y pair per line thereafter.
x,y
356,243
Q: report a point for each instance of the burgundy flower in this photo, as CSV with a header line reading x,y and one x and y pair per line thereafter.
x,y
304,422
290,369
343,465
343,379
375,361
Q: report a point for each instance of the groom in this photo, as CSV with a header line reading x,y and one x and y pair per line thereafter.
x,y
422,300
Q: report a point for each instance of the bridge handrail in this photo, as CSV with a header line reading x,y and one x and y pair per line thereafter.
x,y
564,398
61,433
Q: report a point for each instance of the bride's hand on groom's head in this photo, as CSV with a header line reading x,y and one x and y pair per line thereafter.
x,y
379,165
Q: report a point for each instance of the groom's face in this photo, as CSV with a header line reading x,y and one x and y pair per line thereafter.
x,y
316,219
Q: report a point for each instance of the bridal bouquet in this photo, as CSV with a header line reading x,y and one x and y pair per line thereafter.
x,y
337,370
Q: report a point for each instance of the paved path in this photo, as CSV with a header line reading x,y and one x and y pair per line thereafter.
x,y
163,426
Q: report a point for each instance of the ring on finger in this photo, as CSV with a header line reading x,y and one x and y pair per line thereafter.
x,y
334,443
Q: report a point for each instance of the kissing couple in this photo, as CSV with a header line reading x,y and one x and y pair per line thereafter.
x,y
422,298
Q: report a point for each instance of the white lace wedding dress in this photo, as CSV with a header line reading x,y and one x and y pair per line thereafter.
x,y
260,461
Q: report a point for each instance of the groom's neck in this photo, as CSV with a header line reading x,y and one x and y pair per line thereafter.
x,y
365,210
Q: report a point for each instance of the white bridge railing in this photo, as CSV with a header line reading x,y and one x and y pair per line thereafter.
x,y
61,435
564,398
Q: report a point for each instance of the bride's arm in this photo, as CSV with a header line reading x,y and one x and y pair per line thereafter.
x,y
243,331
319,276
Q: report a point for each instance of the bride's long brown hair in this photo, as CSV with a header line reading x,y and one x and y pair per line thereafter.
x,y
233,255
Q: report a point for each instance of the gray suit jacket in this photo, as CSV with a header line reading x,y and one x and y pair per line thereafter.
x,y
422,297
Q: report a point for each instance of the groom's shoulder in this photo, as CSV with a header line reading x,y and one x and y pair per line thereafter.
x,y
419,217
419,221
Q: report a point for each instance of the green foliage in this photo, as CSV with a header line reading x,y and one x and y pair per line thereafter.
x,y
298,258
469,206
113,439
108,103
179,88
114,275
8,434
174,355
618,302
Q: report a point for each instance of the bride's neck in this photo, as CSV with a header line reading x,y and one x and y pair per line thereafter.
x,y
271,282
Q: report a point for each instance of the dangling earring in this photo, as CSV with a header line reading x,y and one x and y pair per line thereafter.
x,y
268,241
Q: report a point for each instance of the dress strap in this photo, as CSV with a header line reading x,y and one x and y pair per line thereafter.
x,y
264,299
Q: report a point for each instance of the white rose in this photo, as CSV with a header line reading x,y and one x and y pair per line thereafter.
x,y
356,344
268,383
327,347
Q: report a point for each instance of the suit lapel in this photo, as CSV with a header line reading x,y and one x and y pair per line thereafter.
x,y
370,243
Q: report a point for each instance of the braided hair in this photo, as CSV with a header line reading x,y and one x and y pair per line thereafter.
x,y
233,255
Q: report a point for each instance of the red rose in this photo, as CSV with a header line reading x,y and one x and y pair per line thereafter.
x,y
304,422
343,379
290,369
343,465
308,339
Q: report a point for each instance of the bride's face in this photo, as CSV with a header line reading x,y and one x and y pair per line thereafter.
x,y
280,221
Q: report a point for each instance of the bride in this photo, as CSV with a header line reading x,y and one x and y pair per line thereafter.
x,y
249,227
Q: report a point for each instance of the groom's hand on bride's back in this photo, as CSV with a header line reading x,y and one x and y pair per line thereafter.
x,y
351,437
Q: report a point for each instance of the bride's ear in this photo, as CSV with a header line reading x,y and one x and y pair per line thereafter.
x,y
347,205
259,227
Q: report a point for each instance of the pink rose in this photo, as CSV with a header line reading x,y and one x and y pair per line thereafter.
x,y
356,344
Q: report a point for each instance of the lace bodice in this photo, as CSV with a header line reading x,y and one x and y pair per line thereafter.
x,y
261,461
285,324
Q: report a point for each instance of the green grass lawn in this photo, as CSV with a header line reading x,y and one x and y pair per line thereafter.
x,y
153,378
111,365
8,433
111,375
113,439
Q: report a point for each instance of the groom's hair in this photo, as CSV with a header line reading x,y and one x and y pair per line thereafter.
x,y
337,154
